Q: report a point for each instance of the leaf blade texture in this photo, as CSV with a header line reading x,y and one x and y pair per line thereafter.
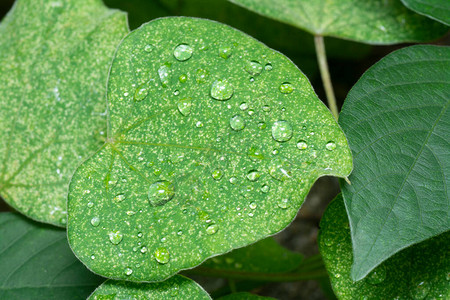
x,y
438,10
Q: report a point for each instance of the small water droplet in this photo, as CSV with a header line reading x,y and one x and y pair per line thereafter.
x,y
161,192
268,67
330,146
180,232
377,276
253,68
302,145
280,169
233,180
199,124
420,290
284,203
253,175
217,174
225,52
255,153
144,249
176,92
95,221
131,213
115,237
237,122
141,92
119,197
201,76
328,241
252,79
184,106
148,48
265,188
281,131
163,73
213,228
286,88
174,291
266,108
90,204
128,271
162,255
262,125
222,90
92,256
183,78
253,205
183,52
243,106
140,234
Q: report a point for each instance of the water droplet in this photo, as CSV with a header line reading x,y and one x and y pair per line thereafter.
x,y
253,68
222,90
201,76
262,125
180,232
140,234
162,255
183,78
420,290
328,241
330,146
143,249
92,256
225,52
265,188
95,221
183,52
163,73
302,145
253,175
377,276
255,153
280,169
184,106
115,237
233,180
251,112
284,203
176,92
213,228
199,124
160,192
141,92
217,174
148,48
128,271
243,106
252,79
253,205
119,197
90,204
237,122
131,213
281,131
175,290
286,88
268,67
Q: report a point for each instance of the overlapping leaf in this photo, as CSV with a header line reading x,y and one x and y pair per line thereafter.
x,y
397,121
373,21
214,141
418,272
54,59
436,9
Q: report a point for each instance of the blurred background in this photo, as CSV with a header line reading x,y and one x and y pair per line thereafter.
x,y
347,61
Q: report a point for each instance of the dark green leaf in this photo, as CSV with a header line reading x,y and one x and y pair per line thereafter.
x,y
397,121
177,287
373,22
54,59
214,141
418,272
36,263
243,296
436,9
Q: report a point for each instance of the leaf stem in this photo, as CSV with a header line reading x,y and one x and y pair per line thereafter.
x,y
324,72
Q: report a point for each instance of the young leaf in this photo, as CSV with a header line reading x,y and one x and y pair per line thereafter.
x,y
177,287
436,9
36,263
418,272
396,118
373,22
54,58
214,141
244,296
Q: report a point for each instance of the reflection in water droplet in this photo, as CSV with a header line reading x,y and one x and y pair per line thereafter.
x,y
253,68
222,90
148,48
183,78
243,106
286,88
268,67
128,271
141,92
213,228
330,146
284,203
163,73
184,106
115,237
162,255
253,175
302,145
253,205
280,169
225,52
377,276
237,122
95,221
265,188
281,131
201,76
217,174
420,290
160,192
183,52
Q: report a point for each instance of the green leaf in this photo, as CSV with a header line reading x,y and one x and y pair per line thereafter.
x,y
373,22
54,59
37,263
396,118
438,10
177,287
203,152
243,296
418,272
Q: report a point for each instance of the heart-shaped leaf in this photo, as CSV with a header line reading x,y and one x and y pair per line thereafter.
x,y
244,296
36,263
54,59
436,9
396,118
418,272
214,141
373,22
177,287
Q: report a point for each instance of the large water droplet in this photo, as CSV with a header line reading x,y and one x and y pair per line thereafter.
x,y
163,73
162,255
141,92
201,76
221,90
237,122
213,228
128,271
161,192
281,131
377,276
95,221
330,146
286,88
184,106
253,68
420,290
217,174
183,52
284,203
225,52
253,175
115,237
280,169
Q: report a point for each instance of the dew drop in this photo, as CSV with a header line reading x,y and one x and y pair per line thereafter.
x,y
330,146
213,228
286,88
119,197
160,192
253,68
281,131
163,73
251,112
253,175
328,241
221,90
184,106
140,234
243,106
141,92
268,67
254,153
176,92
162,255
92,256
95,221
143,249
237,123
266,108
280,169
174,291
217,174
284,203
115,237
183,52
253,205
225,52
199,124
420,290
148,48
201,76
262,125
128,271
180,232
182,78
90,204
302,145
265,189
377,276
233,180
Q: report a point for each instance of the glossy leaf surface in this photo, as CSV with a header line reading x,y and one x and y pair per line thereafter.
x,y
214,141
54,59
177,287
436,9
244,296
397,121
418,272
36,263
372,21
